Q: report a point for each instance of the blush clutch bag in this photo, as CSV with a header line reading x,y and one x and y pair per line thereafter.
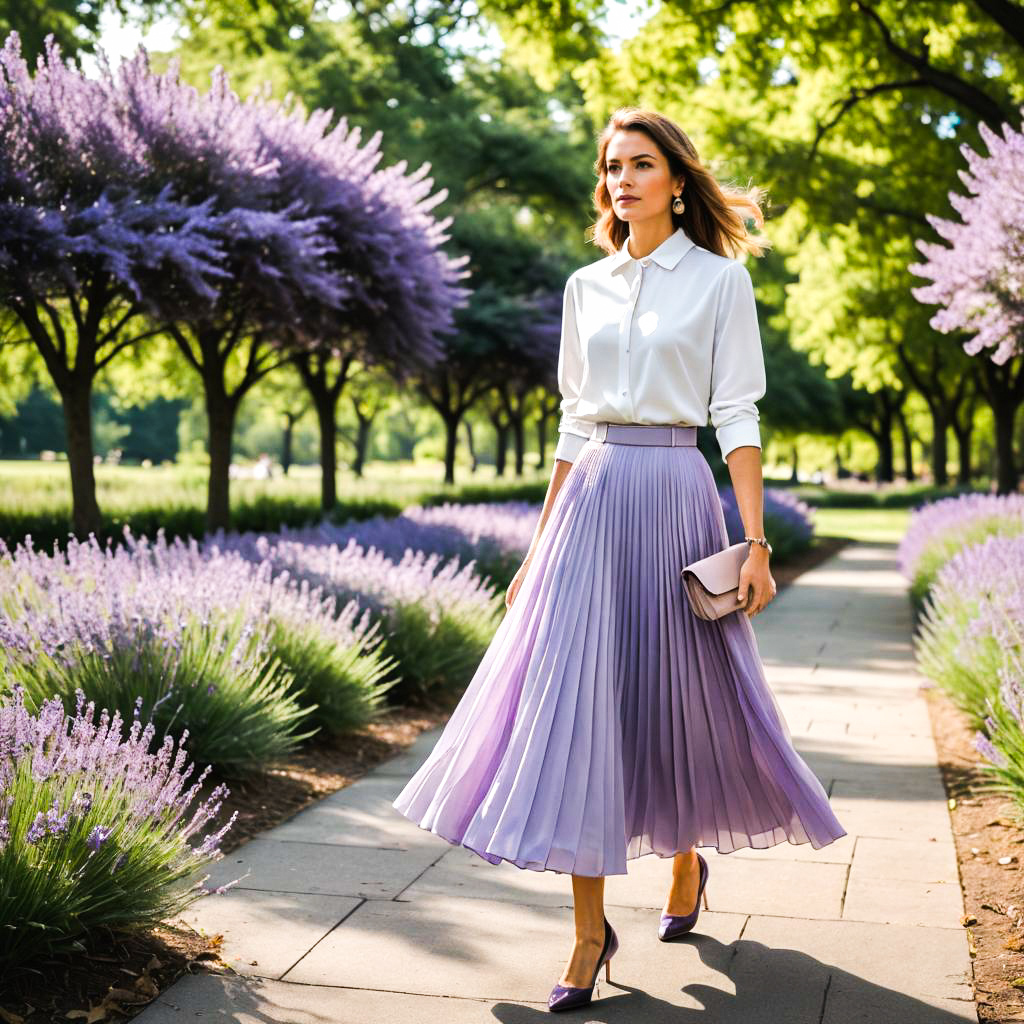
x,y
712,583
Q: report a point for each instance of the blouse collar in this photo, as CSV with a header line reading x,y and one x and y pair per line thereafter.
x,y
666,255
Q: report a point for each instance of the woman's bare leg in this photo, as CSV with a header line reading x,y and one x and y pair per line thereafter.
x,y
588,908
682,897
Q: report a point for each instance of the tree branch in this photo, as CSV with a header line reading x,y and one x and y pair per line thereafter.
x,y
858,93
945,82
108,335
185,346
1009,17
58,329
122,345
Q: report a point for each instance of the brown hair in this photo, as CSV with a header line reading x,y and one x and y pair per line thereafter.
x,y
715,215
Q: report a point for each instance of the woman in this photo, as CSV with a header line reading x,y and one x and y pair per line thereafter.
x,y
606,721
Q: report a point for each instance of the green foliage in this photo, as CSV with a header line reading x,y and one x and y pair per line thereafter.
x,y
967,671
907,496
55,892
1004,723
233,700
344,687
438,649
948,543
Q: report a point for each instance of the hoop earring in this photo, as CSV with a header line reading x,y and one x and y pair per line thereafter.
x,y
678,205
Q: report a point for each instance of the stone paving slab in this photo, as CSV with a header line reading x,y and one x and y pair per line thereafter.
x,y
418,948
360,916
358,815
900,958
321,868
265,931
810,888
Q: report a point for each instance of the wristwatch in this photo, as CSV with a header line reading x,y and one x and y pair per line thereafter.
x,y
759,540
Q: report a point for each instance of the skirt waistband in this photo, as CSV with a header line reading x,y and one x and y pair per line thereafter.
x,y
669,434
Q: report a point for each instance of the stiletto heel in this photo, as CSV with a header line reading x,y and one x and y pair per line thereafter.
x,y
567,997
672,925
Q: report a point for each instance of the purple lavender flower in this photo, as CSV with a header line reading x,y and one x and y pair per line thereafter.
x,y
937,529
784,513
987,750
976,278
37,830
97,837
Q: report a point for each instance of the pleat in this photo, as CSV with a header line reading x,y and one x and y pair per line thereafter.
x,y
606,721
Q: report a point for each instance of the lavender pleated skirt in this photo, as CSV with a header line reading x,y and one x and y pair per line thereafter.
x,y
605,720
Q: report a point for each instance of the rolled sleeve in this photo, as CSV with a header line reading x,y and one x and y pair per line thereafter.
x,y
573,432
737,363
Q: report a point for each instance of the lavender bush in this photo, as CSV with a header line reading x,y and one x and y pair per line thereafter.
x,y
1002,741
970,636
937,530
788,521
92,829
492,536
962,632
437,616
208,640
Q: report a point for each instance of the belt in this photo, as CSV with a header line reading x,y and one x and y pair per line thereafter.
x,y
670,434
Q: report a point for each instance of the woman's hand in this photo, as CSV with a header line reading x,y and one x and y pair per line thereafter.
x,y
756,581
513,587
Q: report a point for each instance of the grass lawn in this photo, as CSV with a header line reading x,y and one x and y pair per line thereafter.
x,y
39,487
867,524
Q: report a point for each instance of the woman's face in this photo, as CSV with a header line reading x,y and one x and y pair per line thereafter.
x,y
635,166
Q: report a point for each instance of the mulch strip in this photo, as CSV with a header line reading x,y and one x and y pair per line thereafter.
x,y
122,972
987,827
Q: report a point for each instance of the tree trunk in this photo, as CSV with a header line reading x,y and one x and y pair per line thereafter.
x,y
312,367
1004,393
362,444
326,421
77,401
1004,411
940,449
220,418
908,446
884,471
794,477
963,447
474,462
451,441
500,448
286,442
519,442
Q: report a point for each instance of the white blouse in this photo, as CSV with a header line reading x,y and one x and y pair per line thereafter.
x,y
669,338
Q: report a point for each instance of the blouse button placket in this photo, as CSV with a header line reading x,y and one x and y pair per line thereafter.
x,y
625,329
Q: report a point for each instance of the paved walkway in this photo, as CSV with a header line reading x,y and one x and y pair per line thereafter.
x,y
352,915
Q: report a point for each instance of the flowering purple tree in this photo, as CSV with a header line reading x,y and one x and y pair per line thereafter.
x,y
93,246
238,156
404,286
245,230
330,260
978,279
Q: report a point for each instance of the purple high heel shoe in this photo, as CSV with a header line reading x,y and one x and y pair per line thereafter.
x,y
679,924
565,997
